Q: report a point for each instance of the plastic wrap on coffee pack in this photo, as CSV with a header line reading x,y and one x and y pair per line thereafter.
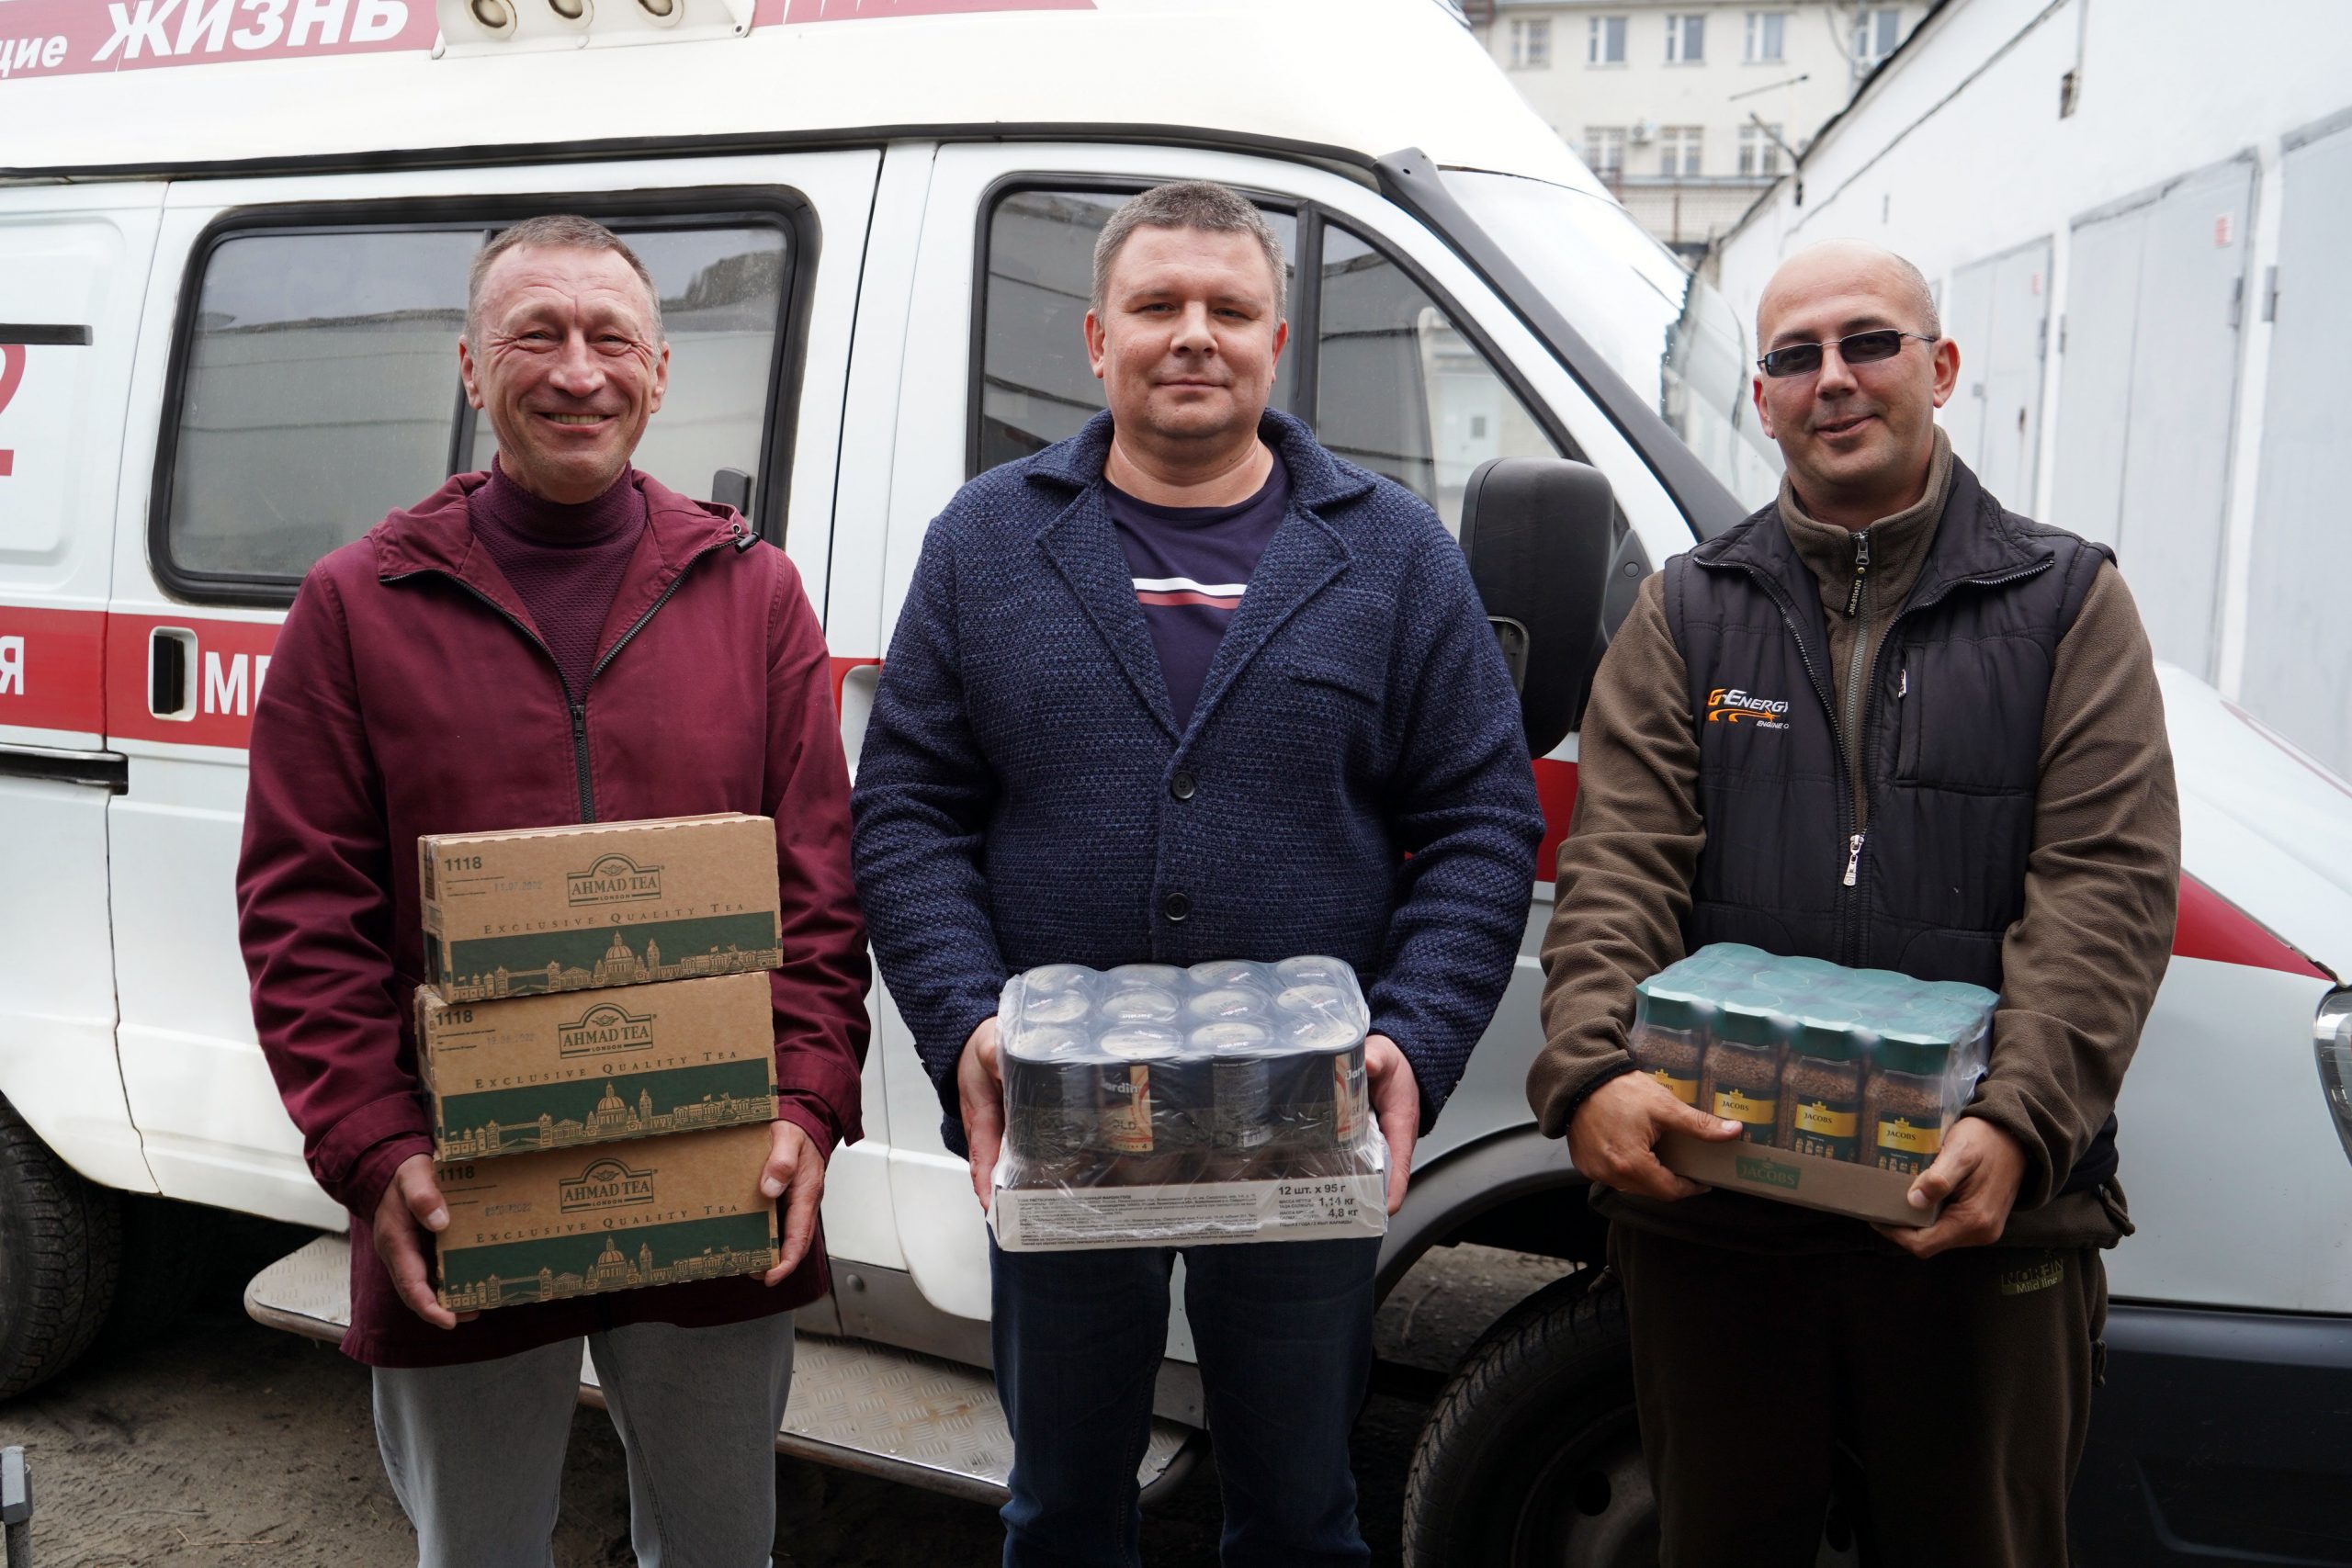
x,y
1153,1104
1859,1065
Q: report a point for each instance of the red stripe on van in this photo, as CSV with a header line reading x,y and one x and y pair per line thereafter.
x,y
53,669
2210,926
1555,786
225,678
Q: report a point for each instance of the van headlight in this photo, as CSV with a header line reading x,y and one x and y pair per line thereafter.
x,y
2331,1041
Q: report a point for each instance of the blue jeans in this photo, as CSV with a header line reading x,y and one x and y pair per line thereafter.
x,y
1284,1331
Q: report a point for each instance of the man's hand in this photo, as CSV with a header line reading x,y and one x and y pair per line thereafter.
x,y
1397,1106
1613,1137
794,1168
411,1199
979,1095
1977,1174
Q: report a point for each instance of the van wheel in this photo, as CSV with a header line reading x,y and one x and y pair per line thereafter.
x,y
1533,1455
60,1247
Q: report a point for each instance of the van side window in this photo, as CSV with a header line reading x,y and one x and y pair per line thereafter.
x,y
1374,362
322,383
1037,387
319,387
1402,391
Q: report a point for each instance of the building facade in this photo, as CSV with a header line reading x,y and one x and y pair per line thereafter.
x,y
1689,111
2135,224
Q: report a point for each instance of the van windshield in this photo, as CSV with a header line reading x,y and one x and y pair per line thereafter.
x,y
1673,338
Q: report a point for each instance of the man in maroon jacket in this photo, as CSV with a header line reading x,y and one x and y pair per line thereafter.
x,y
560,639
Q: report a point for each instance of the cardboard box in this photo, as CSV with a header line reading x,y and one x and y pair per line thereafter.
x,y
555,1072
1840,1187
564,1222
575,908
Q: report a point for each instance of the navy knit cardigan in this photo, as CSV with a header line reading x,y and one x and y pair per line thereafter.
x,y
1355,780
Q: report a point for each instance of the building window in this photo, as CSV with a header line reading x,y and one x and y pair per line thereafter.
x,y
1604,41
1765,30
1531,43
1759,148
1604,151
1678,151
1876,32
1686,39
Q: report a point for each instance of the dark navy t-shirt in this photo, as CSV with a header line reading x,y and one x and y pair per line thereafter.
x,y
1192,565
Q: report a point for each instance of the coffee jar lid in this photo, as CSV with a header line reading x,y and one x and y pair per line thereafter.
x,y
1752,1018
1903,1051
1830,1039
1667,1007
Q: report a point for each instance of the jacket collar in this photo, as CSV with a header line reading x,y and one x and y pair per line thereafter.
x,y
1304,555
438,535
1974,540
1317,478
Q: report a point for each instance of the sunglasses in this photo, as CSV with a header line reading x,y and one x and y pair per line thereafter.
x,y
1862,348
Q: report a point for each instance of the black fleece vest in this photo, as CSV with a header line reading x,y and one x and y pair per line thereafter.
x,y
1949,737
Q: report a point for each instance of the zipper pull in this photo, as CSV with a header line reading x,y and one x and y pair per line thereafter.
x,y
578,720
1853,858
1861,567
1903,688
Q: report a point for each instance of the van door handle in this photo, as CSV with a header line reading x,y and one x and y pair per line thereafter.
x,y
171,664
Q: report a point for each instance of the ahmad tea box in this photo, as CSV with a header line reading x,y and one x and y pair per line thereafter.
x,y
562,1223
557,1071
575,908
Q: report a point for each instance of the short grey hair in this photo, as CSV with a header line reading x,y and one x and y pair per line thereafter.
x,y
556,230
1188,204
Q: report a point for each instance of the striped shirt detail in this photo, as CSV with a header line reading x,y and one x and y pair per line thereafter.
x,y
1185,591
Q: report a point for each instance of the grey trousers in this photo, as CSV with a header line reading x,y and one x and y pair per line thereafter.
x,y
475,1452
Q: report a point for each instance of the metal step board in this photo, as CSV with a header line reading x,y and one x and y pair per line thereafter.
x,y
856,1405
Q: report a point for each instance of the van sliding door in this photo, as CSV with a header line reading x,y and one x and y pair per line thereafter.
x,y
73,261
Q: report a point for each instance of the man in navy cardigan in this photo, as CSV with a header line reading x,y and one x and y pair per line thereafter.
x,y
1186,686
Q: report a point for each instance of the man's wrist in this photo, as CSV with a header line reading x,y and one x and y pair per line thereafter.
x,y
1592,1085
371,1174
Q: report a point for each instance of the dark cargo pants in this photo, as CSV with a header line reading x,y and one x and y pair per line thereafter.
x,y
1962,1385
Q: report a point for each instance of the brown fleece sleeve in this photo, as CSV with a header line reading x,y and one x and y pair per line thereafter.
x,y
1626,864
2080,969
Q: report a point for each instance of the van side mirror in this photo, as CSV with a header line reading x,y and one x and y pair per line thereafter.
x,y
1540,532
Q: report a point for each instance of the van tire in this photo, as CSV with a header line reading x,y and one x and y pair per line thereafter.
x,y
61,1251
1531,1454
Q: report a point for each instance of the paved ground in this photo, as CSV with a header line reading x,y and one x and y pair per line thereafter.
x,y
221,1442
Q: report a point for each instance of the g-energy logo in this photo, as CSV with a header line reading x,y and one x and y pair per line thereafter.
x,y
606,1184
1733,705
602,1028
614,879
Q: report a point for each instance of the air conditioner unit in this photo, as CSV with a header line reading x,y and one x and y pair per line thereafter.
x,y
1643,132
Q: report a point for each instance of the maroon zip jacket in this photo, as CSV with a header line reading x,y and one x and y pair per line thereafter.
x,y
409,694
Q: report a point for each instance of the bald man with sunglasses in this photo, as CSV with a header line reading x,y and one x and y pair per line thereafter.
x,y
1972,782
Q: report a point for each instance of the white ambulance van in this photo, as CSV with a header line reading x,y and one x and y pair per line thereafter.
x,y
233,243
